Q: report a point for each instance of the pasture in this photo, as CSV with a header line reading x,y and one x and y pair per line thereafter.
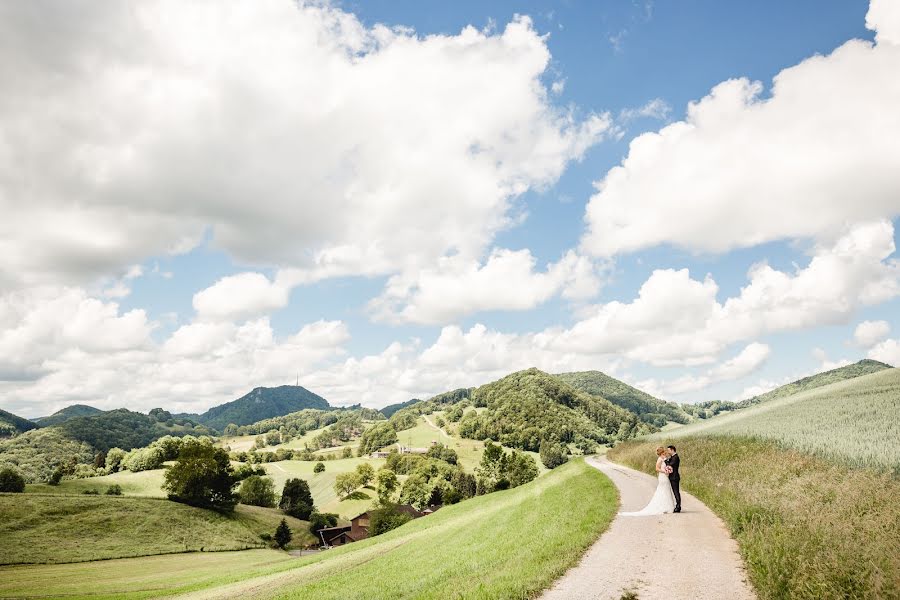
x,y
507,544
855,422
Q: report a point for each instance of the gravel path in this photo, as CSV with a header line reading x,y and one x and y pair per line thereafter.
x,y
670,557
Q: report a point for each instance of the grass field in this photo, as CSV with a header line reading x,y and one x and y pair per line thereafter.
x,y
855,422
38,528
143,483
807,528
509,544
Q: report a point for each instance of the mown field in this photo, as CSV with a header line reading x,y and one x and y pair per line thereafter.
x,y
509,544
38,528
807,528
855,422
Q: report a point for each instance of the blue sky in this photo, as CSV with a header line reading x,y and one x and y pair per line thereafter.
x,y
176,232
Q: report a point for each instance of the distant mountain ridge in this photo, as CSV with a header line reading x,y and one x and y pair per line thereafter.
x,y
63,415
857,369
262,403
390,409
11,424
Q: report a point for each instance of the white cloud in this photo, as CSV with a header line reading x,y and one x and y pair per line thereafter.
x,y
654,109
291,133
887,351
240,296
506,281
742,169
869,333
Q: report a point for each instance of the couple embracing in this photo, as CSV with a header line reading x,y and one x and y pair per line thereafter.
x,y
667,498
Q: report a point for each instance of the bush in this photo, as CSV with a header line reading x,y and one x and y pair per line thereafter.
x,y
11,481
202,477
553,454
296,499
90,492
114,490
282,535
384,519
347,453
319,468
257,491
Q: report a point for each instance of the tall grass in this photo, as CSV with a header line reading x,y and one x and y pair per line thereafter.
x,y
854,422
807,528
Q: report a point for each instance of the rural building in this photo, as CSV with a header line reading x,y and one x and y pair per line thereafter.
x,y
380,454
358,529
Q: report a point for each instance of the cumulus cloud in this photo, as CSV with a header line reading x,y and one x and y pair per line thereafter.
x,y
869,333
240,296
821,151
507,280
887,351
289,133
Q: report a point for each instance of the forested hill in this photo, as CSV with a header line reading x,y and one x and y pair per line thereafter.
x,y
63,415
262,403
525,408
390,409
649,409
11,424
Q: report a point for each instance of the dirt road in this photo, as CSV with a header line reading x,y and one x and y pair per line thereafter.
x,y
688,556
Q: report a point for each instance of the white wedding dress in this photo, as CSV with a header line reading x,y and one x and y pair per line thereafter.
x,y
662,502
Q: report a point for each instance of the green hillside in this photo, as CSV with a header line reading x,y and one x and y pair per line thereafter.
x,y
63,415
262,403
390,409
854,421
529,406
38,528
648,408
11,424
509,544
122,428
38,452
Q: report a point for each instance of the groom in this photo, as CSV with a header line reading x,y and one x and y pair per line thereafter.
x,y
674,478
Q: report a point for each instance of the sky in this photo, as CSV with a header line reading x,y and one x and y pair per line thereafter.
x,y
388,199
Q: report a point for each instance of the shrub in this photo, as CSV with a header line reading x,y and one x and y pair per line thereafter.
x,y
319,468
282,535
91,492
202,477
257,491
11,481
296,499
553,454
114,490
347,453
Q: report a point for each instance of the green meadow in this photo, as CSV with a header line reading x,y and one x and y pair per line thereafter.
x,y
509,544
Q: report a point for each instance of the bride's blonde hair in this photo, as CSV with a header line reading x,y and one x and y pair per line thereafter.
x,y
660,451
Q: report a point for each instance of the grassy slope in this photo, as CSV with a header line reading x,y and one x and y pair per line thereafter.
x,y
510,544
37,528
143,483
854,421
807,528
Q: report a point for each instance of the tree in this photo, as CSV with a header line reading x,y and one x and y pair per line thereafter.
x,y
346,483
202,476
319,468
283,534
11,481
319,521
387,485
257,491
382,520
296,499
416,491
552,454
56,476
365,472
114,459
231,430
347,452
381,435
520,468
273,438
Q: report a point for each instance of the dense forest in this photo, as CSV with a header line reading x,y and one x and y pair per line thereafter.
x,y
11,424
646,407
63,415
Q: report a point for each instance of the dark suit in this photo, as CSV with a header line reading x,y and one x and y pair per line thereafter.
x,y
675,479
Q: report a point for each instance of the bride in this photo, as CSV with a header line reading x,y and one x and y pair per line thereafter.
x,y
663,500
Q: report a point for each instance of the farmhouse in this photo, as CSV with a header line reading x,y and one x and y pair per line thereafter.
x,y
358,529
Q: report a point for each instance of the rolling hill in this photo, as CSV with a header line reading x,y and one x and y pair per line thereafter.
x,y
63,415
11,424
645,406
526,407
262,403
853,421
390,409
